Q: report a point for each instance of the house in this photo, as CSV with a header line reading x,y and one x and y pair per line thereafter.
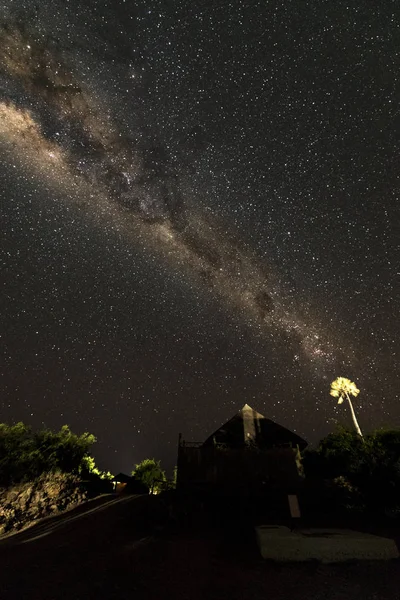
x,y
120,482
248,454
128,484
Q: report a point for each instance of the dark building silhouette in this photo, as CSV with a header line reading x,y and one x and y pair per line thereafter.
x,y
249,426
248,454
123,483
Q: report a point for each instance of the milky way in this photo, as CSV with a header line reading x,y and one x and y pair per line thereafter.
x,y
45,108
200,207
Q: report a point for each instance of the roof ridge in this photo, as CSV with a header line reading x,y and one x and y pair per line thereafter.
x,y
247,408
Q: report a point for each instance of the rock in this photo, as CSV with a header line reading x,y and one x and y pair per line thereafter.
x,y
25,503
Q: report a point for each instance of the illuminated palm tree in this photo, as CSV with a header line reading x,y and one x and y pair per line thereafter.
x,y
344,388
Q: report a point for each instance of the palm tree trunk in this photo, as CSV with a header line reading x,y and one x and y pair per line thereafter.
x,y
353,414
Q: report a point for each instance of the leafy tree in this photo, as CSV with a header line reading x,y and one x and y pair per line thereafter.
x,y
88,468
338,454
344,388
25,454
367,468
150,473
71,449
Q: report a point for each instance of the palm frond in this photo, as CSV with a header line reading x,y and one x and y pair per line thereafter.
x,y
342,385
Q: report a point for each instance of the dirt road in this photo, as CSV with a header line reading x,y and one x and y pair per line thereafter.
x,y
111,551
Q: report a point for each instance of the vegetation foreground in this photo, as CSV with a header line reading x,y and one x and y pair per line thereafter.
x,y
44,472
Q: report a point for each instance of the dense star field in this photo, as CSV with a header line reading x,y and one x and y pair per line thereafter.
x,y
199,208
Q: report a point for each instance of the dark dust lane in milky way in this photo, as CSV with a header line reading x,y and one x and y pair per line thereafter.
x,y
45,105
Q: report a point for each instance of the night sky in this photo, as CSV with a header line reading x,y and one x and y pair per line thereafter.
x,y
199,209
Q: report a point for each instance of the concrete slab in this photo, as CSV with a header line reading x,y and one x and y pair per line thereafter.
x,y
327,545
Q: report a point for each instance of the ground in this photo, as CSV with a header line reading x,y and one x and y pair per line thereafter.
x,y
113,550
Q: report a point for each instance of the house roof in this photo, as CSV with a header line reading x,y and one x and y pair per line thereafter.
x,y
122,478
248,425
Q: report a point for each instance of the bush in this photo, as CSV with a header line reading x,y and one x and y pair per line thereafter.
x,y
359,473
25,454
